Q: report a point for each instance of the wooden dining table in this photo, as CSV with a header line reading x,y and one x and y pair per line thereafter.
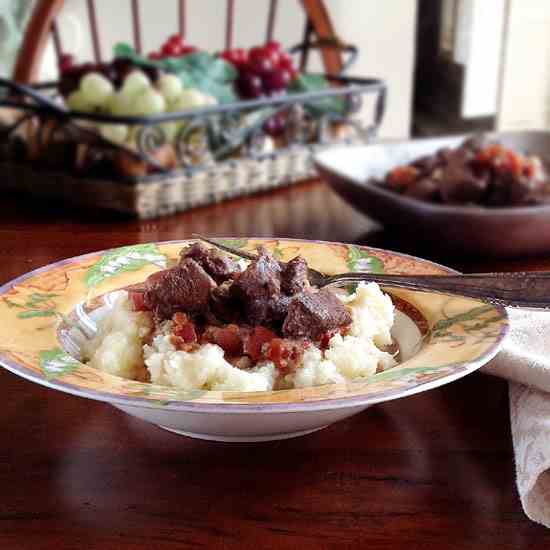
x,y
431,471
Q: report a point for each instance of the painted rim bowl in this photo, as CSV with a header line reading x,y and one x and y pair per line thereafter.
x,y
442,339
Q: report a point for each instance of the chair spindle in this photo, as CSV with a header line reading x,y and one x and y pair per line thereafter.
x,y
56,37
92,16
182,17
229,24
136,26
273,4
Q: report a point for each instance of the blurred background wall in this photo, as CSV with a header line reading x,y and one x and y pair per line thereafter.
x,y
383,30
451,65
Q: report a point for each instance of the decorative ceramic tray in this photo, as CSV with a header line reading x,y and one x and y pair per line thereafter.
x,y
441,338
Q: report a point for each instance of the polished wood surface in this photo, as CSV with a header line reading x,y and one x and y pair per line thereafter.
x,y
432,471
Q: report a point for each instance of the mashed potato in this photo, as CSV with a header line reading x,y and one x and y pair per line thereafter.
x,y
126,346
205,368
117,347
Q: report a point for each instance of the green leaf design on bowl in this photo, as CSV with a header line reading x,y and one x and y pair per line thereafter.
x,y
234,243
462,317
55,363
360,260
36,313
473,322
127,258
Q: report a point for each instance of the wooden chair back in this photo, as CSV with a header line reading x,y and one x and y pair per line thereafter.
x,y
43,26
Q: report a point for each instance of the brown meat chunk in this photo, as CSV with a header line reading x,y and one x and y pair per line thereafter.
x,y
218,265
460,183
424,189
260,281
310,315
223,305
294,276
184,288
270,312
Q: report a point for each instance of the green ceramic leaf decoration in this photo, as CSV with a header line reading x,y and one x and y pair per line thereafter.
x,y
360,260
55,363
462,317
396,373
36,313
234,243
11,304
278,253
127,258
38,298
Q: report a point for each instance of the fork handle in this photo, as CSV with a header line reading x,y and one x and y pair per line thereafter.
x,y
528,290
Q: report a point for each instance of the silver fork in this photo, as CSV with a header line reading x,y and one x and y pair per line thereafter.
x,y
518,289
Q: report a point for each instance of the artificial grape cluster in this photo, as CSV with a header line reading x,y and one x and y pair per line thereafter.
x,y
115,71
174,46
126,87
137,96
263,71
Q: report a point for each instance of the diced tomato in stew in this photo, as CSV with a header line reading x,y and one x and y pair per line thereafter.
x,y
184,328
229,338
286,354
254,343
402,176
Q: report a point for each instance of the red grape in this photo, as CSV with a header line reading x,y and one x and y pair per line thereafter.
x,y
273,65
273,55
260,65
277,80
108,70
258,52
250,85
170,49
237,57
274,45
275,126
230,56
66,61
175,39
259,56
241,55
286,61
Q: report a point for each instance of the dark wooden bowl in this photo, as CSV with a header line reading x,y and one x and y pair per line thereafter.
x,y
511,231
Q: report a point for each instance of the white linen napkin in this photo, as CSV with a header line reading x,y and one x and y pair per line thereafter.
x,y
525,361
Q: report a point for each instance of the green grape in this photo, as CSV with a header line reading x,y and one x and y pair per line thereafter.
x,y
149,102
114,132
120,104
133,132
210,100
96,88
170,130
77,101
188,99
170,86
135,83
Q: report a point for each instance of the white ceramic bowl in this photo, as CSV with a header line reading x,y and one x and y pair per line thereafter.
x,y
441,338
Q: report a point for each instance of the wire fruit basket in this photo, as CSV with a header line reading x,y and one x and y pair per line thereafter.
x,y
36,147
178,160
